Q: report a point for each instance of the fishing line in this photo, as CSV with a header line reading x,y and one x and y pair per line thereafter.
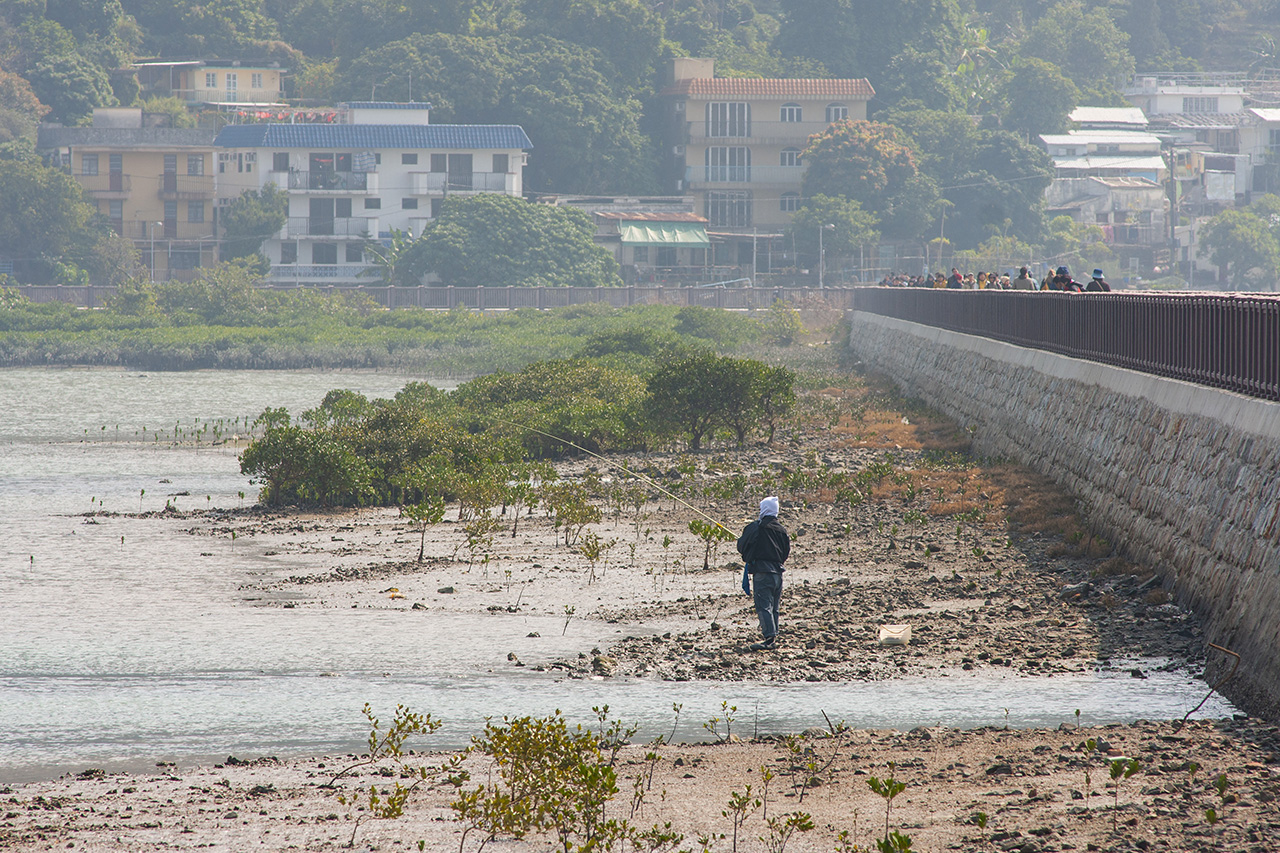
x,y
617,465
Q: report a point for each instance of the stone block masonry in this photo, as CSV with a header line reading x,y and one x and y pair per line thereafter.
x,y
1184,478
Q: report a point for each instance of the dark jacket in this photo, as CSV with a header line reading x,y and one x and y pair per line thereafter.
x,y
1097,285
764,545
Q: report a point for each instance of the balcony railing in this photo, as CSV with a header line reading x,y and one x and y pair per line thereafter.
x,y
438,183
780,175
169,229
312,226
237,96
757,133
175,186
325,180
285,273
1218,340
113,182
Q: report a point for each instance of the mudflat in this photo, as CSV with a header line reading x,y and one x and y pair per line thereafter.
x,y
893,523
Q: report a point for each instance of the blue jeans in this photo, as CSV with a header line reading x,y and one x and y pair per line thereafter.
x,y
767,590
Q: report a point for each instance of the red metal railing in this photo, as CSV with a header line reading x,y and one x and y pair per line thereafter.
x,y
1228,341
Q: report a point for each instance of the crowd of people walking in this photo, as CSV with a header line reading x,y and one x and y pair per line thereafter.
x,y
1059,279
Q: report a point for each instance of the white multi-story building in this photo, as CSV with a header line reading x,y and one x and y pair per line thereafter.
x,y
383,167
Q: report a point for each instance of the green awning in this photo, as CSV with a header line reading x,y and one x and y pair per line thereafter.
x,y
691,234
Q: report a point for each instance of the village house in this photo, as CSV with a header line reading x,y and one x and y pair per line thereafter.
x,y
153,183
381,167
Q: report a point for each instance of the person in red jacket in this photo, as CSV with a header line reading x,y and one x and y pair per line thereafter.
x,y
765,546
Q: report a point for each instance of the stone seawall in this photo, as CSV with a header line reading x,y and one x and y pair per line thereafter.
x,y
1186,479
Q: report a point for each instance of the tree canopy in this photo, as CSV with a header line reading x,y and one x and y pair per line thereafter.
x,y
497,240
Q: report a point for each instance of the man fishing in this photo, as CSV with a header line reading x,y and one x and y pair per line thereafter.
x,y
765,546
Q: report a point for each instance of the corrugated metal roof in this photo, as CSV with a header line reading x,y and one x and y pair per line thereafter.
x,y
665,234
650,216
1133,164
755,87
386,105
373,136
1266,114
1109,115
1101,137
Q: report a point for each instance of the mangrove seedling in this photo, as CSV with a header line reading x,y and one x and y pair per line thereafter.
x,y
1121,769
780,830
741,807
726,716
1089,747
568,616
426,512
894,842
711,534
888,788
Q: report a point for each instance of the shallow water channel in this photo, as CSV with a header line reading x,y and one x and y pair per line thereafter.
x,y
125,642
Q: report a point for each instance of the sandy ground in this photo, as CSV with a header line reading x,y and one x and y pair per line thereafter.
x,y
989,564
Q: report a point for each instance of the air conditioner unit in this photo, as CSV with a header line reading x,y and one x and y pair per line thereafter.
x,y
680,186
679,106
677,150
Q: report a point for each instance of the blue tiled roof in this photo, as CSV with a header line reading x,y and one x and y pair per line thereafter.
x,y
372,136
388,105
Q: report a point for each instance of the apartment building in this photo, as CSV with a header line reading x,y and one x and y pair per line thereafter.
x,y
734,145
154,184
213,82
382,167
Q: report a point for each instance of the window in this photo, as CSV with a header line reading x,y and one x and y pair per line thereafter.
x,y
1273,142
354,253
667,256
790,112
195,164
729,120
408,159
408,204
640,255
728,164
729,209
437,204
439,162
171,164
790,157
195,211
789,203
255,80
211,79
289,253
115,209
184,259
342,208
373,204
233,82
1199,105
324,253
501,163
342,162
837,112
171,211
280,161
89,164
115,163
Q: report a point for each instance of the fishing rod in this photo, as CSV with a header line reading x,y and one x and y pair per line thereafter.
x,y
617,465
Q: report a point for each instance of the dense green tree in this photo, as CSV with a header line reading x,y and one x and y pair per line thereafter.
x,y
44,219
917,77
874,165
60,74
853,227
1089,48
296,465
498,240
586,136
859,38
251,219
1040,98
1243,245
692,397
627,33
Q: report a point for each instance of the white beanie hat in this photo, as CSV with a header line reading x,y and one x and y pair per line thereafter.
x,y
769,506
